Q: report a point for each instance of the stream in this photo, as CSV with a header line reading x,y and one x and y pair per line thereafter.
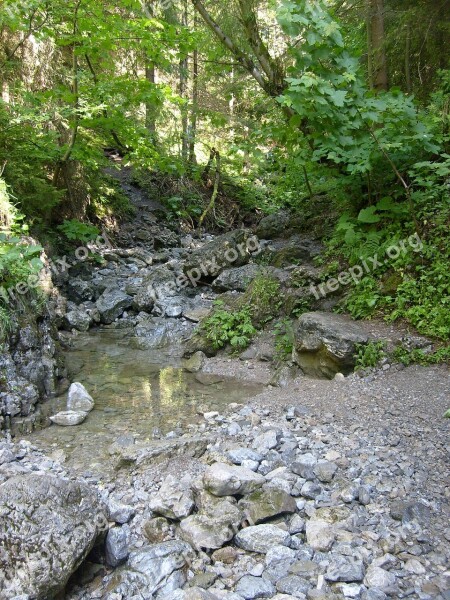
x,y
140,395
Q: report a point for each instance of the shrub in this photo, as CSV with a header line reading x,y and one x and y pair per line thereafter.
x,y
224,327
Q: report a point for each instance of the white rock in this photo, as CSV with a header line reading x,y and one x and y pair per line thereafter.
x,y
379,578
320,535
226,480
260,538
79,399
69,418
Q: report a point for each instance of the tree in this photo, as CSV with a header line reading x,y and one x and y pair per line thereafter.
x,y
377,65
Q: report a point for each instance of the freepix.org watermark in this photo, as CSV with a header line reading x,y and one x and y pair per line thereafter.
x,y
367,265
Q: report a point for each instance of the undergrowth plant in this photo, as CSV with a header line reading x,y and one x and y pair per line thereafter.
x,y
369,355
224,327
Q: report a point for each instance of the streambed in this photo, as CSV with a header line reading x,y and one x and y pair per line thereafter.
x,y
140,395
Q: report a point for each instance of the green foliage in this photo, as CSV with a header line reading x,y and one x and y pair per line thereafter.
x,y
408,357
187,208
263,299
369,355
284,339
79,232
17,260
225,327
363,299
5,323
362,133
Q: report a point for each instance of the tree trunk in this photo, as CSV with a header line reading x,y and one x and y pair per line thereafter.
x,y
183,93
194,109
378,74
408,59
150,113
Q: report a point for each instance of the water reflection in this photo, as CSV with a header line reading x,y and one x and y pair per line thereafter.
x,y
135,391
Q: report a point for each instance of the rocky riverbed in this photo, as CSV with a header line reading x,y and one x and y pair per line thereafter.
x,y
320,490
204,476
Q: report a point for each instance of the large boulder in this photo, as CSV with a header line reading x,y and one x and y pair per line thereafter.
x,y
78,319
325,343
273,226
155,570
261,538
112,304
297,249
240,278
214,525
174,500
236,279
78,398
226,480
267,503
48,526
232,249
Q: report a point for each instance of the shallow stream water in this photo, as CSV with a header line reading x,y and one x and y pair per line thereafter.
x,y
138,393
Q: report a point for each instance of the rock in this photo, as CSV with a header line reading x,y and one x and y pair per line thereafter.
x,y
310,490
79,290
350,493
225,555
250,587
112,304
278,562
159,332
238,455
116,547
52,524
320,535
345,568
232,249
414,566
416,511
378,578
214,525
193,593
298,248
237,279
69,418
174,500
260,538
284,375
195,362
203,580
325,343
293,585
225,480
267,503
325,471
79,399
273,226
144,300
157,530
266,441
119,513
159,569
304,466
77,319
196,313
373,595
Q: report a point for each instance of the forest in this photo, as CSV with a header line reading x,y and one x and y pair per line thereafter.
x,y
336,111
224,299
